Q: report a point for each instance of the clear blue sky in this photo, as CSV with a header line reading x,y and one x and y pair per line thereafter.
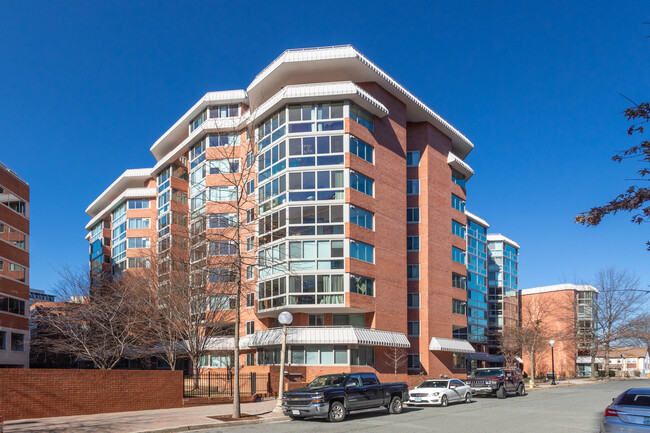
x,y
86,87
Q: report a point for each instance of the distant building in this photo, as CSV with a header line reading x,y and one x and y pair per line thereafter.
x,y
14,270
570,319
39,296
631,361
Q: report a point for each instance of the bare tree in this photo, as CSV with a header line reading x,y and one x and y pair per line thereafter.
x,y
618,301
396,358
98,323
510,342
638,330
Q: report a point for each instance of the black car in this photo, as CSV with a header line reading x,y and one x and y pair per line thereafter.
x,y
334,395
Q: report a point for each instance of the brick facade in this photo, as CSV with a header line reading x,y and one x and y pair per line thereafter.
x,y
45,393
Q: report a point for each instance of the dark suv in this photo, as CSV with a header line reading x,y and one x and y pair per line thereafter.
x,y
497,381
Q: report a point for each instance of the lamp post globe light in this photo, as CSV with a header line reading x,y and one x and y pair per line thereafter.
x,y
285,318
552,343
623,366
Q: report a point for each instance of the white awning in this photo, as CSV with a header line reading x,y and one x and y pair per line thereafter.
x,y
587,360
460,165
329,335
226,344
519,360
450,345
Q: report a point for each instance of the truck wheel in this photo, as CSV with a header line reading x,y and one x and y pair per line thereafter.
x,y
521,389
295,417
501,392
337,412
395,405
443,401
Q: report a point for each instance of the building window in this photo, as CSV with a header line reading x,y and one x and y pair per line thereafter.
x,y
361,183
250,272
459,281
250,187
362,251
361,217
413,329
250,243
17,342
316,320
223,140
457,229
362,149
457,203
138,242
250,359
413,361
223,193
138,223
458,255
138,204
223,248
222,111
3,340
250,327
362,117
412,214
412,186
459,361
413,158
222,220
413,272
250,215
268,356
364,355
250,300
413,300
413,243
362,285
459,307
458,178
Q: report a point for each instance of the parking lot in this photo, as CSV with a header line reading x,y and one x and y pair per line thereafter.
x,y
570,409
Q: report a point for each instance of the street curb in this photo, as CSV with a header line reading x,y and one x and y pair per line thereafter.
x,y
223,424
566,385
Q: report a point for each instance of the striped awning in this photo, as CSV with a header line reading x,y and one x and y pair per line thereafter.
x,y
329,335
587,360
450,345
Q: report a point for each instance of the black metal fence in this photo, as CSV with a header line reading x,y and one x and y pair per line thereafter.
x,y
220,384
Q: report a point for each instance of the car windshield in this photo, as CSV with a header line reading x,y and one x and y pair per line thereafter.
x,y
328,380
433,384
636,399
488,372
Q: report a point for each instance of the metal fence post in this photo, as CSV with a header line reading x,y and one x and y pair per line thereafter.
x,y
209,384
253,383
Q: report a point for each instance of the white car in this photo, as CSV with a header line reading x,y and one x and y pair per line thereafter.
x,y
440,391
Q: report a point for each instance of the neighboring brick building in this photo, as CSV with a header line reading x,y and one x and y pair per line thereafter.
x,y
568,314
14,270
360,194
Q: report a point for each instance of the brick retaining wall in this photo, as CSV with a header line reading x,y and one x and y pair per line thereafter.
x,y
36,393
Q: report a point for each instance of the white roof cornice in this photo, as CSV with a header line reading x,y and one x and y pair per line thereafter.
x,y
559,287
128,193
346,63
180,130
129,179
477,219
460,165
498,237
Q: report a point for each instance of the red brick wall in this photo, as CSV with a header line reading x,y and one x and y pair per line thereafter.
x,y
45,393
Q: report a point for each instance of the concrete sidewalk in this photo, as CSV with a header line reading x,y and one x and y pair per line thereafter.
x,y
162,420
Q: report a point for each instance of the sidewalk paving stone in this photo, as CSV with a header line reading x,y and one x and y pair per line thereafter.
x,y
159,421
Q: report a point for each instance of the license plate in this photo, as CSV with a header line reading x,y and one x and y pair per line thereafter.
x,y
417,400
296,412
646,420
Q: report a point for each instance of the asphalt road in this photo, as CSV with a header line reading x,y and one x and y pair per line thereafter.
x,y
571,409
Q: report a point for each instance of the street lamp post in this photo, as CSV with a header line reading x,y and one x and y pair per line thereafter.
x,y
285,318
552,343
624,366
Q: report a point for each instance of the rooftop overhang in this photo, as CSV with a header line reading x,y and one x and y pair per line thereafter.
x,y
328,335
477,219
459,165
345,63
295,94
558,288
133,178
128,193
450,345
180,130
498,237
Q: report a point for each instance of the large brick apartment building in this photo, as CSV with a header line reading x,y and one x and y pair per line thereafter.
x,y
14,270
363,186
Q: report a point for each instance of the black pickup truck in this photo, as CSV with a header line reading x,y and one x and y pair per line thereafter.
x,y
334,395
